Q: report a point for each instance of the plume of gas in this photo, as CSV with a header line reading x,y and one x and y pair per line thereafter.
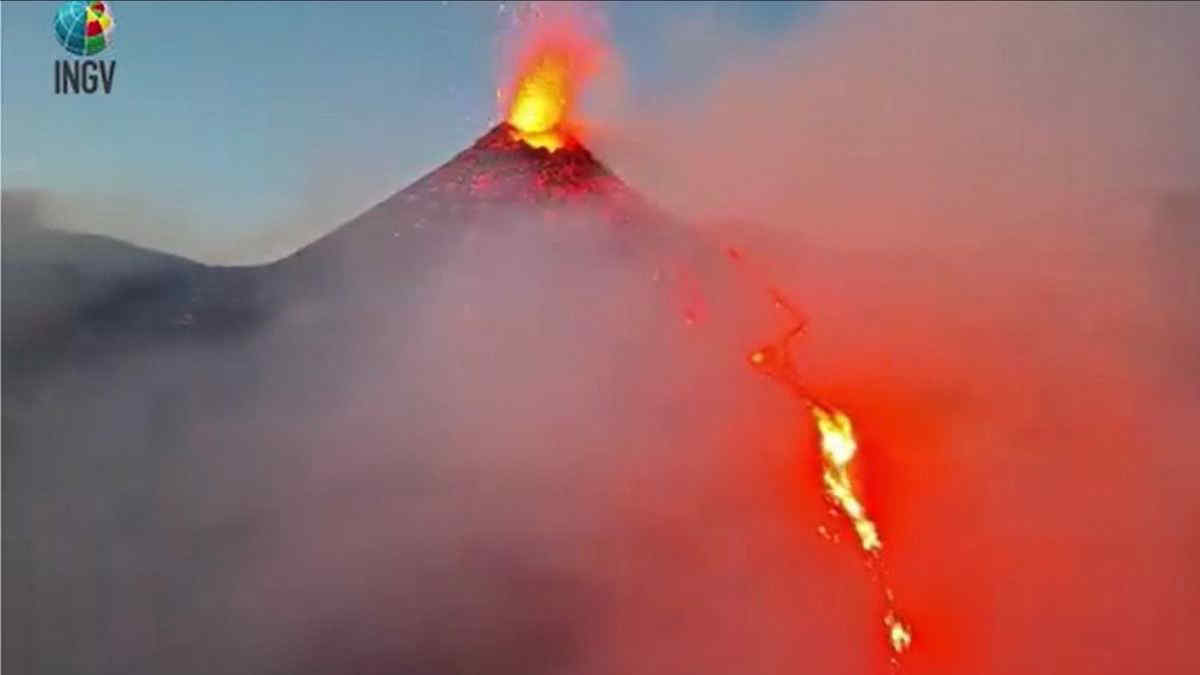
x,y
986,206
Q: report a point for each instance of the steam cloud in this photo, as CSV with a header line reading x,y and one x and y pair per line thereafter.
x,y
990,212
523,460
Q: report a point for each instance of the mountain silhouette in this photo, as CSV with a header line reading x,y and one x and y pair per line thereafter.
x,y
66,293
165,422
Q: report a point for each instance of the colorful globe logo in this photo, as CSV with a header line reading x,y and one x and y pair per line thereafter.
x,y
84,28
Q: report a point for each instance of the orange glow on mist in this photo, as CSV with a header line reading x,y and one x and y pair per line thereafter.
x,y
839,448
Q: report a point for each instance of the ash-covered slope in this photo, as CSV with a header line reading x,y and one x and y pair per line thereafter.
x,y
501,170
500,175
496,182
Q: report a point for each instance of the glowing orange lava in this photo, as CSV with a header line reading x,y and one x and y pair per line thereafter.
x,y
541,102
839,448
558,56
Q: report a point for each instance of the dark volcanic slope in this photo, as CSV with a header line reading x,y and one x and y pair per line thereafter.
x,y
498,169
493,184
482,186
65,293
498,174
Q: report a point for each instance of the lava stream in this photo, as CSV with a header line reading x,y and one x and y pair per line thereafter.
x,y
839,447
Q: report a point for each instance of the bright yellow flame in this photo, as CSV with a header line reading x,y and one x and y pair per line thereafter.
x,y
541,101
899,635
838,447
837,435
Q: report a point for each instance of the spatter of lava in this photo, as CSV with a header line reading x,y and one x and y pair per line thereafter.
x,y
541,101
560,51
556,63
839,447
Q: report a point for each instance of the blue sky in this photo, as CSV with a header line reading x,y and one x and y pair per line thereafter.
x,y
231,122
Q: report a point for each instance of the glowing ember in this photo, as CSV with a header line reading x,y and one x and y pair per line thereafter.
x,y
899,635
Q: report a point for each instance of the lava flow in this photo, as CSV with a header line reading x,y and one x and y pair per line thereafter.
x,y
539,115
839,446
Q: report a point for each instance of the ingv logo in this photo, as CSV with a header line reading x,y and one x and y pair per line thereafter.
x,y
84,29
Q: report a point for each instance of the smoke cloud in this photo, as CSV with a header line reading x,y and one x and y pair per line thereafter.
x,y
512,454
990,214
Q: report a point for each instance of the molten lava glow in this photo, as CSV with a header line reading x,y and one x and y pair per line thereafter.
x,y
837,435
541,101
555,53
839,447
899,635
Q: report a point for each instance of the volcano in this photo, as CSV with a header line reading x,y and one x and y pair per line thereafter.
x,y
528,171
502,172
87,294
142,391
498,180
500,169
